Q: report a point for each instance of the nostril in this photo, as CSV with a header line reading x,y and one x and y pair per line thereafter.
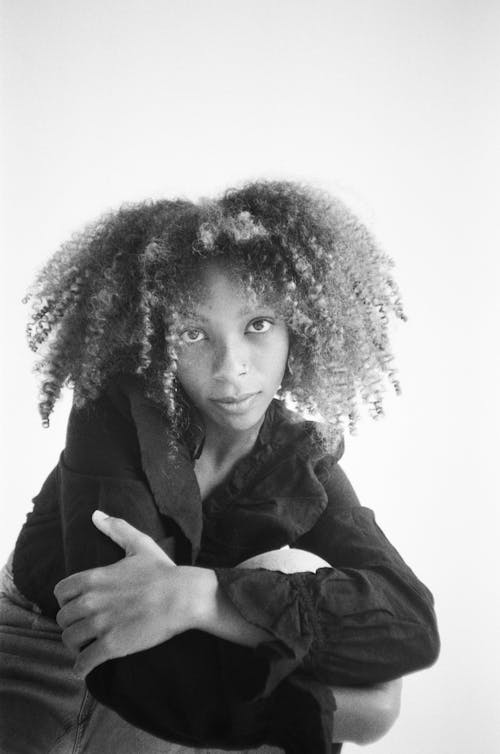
x,y
230,362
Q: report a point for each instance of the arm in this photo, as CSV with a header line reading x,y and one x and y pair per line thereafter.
x,y
140,602
196,669
367,619
362,715
140,608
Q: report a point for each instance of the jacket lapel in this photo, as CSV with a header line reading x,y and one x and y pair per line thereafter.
x,y
170,474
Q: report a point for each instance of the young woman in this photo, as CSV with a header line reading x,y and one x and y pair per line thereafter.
x,y
235,593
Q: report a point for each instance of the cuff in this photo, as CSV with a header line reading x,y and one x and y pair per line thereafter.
x,y
281,605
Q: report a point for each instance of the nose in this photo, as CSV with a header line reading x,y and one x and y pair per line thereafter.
x,y
230,360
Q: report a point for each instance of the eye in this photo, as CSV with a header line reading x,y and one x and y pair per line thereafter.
x,y
192,335
260,325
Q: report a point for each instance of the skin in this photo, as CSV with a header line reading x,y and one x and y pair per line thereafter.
x,y
232,346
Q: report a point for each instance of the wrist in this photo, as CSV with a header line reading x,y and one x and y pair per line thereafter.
x,y
203,599
214,613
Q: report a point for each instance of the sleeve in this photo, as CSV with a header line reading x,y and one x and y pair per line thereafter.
x,y
365,620
100,468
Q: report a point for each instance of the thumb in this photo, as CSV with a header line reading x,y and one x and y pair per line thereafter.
x,y
124,534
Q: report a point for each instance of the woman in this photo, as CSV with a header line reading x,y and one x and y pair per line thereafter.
x,y
182,328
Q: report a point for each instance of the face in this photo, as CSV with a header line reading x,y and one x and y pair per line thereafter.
x,y
233,354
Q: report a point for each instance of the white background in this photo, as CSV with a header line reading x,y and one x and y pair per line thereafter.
x,y
393,105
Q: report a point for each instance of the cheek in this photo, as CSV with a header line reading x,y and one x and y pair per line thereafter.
x,y
190,370
276,357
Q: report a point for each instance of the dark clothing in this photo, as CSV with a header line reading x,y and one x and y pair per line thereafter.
x,y
367,619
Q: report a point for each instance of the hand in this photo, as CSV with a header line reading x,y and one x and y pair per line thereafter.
x,y
129,606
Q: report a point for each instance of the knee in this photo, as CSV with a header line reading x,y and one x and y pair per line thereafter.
x,y
381,712
287,560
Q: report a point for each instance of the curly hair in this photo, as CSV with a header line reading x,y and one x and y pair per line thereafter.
x,y
110,299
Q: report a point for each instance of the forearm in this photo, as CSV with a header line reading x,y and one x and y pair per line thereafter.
x,y
364,619
215,614
220,617
363,715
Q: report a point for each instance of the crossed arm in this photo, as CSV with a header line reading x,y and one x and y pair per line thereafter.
x,y
303,620
363,715
146,599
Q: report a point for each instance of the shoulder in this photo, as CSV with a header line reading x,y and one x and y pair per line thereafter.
x,y
298,466
305,440
304,437
102,434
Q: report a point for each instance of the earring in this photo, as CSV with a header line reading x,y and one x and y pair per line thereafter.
x,y
289,366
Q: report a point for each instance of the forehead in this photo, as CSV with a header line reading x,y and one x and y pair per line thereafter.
x,y
218,285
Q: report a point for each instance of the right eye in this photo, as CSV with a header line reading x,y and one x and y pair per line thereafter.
x,y
193,335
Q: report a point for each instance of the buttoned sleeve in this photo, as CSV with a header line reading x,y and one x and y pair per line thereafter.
x,y
367,619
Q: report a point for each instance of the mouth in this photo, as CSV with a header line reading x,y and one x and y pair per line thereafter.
x,y
235,404
234,399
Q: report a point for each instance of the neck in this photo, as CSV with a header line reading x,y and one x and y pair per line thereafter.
x,y
222,450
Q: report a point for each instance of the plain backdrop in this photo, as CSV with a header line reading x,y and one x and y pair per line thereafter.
x,y
393,105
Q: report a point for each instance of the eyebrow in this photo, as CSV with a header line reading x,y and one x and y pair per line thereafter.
x,y
244,311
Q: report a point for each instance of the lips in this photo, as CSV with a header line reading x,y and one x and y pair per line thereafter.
x,y
230,400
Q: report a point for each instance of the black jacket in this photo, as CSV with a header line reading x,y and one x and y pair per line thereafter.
x,y
367,619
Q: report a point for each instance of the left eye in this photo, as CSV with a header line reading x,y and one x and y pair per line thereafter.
x,y
260,325
192,335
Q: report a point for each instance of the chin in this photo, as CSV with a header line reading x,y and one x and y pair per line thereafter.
x,y
244,420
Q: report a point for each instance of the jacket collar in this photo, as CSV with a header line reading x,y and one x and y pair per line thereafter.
x,y
171,475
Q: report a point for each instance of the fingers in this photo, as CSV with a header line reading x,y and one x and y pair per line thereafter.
x,y
78,635
78,583
89,658
124,534
79,623
74,610
69,588
84,638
